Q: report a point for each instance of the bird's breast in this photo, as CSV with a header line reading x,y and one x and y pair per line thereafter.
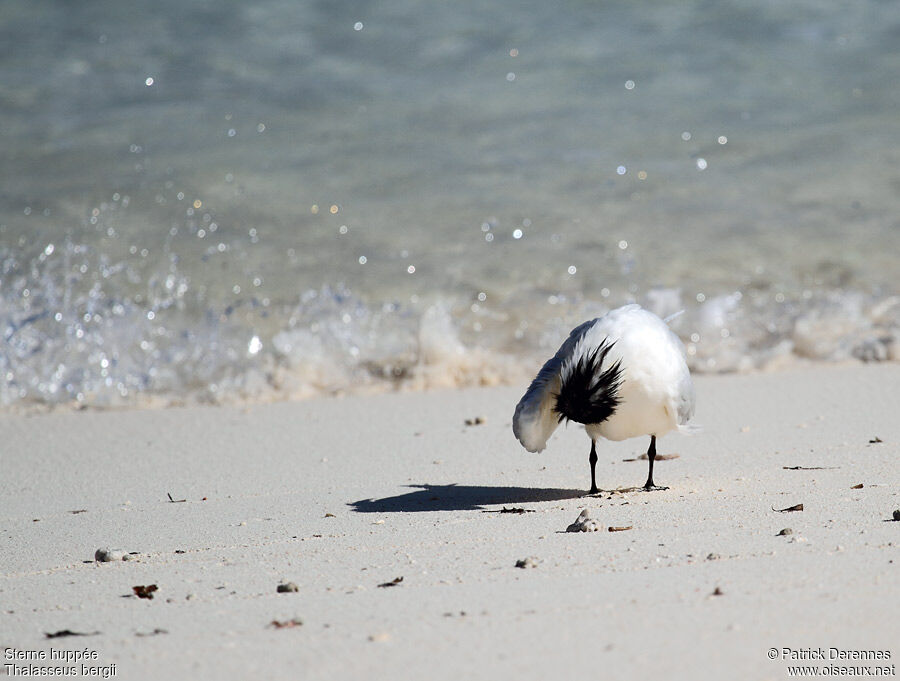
x,y
640,412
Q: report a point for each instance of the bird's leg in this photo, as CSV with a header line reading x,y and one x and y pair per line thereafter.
x,y
593,460
651,455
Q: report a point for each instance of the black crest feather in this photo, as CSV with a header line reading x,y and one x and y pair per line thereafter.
x,y
588,395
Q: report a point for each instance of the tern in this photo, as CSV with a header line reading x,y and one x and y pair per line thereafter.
x,y
622,375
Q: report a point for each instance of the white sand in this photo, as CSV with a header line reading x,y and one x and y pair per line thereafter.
x,y
407,482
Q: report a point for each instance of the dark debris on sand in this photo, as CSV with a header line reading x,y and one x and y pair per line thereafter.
x,y
393,582
142,591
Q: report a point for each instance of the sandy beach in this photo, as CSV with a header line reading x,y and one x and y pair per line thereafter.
x,y
342,496
275,275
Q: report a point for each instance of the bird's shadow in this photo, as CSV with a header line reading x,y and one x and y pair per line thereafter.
x,y
460,498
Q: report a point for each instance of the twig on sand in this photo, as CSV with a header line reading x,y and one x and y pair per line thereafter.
x,y
810,468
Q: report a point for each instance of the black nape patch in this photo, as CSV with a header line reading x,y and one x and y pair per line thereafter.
x,y
589,395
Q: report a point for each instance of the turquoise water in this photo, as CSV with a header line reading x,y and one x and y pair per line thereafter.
x,y
229,201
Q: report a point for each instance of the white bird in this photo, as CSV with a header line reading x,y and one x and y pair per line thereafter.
x,y
621,375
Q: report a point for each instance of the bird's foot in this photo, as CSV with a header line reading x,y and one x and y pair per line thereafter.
x,y
594,491
653,488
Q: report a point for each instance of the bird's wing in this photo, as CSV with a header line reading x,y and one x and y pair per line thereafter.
x,y
535,418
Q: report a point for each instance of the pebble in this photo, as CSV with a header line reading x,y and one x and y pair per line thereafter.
x,y
529,562
584,523
897,514
785,532
287,587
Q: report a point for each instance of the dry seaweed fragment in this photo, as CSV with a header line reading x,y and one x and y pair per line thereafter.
x,y
859,486
718,592
875,440
62,633
789,509
287,588
142,591
509,510
286,624
155,632
393,582
175,501
477,421
620,529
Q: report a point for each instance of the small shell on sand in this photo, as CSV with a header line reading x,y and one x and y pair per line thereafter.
x,y
287,587
107,555
785,532
529,562
584,523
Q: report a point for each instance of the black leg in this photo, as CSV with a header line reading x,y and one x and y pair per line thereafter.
x,y
651,456
593,459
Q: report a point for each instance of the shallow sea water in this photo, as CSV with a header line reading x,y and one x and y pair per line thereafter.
x,y
218,201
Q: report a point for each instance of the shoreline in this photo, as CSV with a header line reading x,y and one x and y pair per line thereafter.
x,y
421,385
342,496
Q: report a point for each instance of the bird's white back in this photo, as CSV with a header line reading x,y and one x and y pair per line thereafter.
x,y
656,393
